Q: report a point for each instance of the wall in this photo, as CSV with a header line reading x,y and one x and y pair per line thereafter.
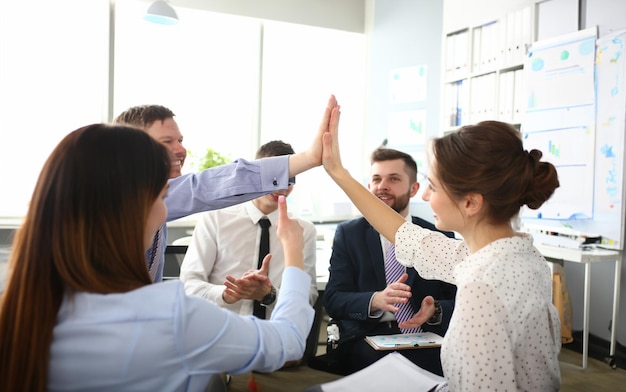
x,y
402,33
459,14
608,15
346,15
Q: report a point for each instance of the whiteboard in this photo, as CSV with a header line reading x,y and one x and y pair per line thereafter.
x,y
607,213
560,120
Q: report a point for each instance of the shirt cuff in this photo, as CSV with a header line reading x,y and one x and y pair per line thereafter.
x,y
377,314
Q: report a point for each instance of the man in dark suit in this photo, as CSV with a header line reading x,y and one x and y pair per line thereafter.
x,y
357,295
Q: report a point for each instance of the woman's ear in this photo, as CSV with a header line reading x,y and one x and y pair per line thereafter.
x,y
473,204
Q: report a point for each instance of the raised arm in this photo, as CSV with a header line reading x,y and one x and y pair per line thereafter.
x,y
385,220
312,157
291,235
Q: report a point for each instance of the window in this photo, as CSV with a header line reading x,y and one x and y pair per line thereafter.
x,y
52,81
302,66
205,69
234,83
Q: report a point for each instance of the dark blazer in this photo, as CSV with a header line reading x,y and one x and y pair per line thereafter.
x,y
357,270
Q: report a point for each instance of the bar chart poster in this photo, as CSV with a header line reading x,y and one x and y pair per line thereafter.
x,y
407,128
560,120
574,162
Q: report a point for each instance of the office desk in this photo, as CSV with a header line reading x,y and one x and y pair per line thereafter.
x,y
589,257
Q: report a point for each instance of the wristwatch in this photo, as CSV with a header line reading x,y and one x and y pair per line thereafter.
x,y
436,319
270,298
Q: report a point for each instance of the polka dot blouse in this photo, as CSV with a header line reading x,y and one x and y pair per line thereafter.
x,y
504,335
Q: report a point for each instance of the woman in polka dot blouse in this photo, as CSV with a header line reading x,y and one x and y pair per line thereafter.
x,y
505,333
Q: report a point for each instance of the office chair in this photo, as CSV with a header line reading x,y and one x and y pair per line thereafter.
x,y
174,255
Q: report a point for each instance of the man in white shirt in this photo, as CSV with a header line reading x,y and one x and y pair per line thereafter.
x,y
221,261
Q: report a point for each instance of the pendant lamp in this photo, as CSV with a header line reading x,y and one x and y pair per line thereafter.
x,y
161,13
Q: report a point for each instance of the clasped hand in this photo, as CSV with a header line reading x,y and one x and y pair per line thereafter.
x,y
399,292
254,284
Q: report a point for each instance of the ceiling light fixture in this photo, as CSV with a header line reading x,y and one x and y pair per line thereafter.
x,y
161,13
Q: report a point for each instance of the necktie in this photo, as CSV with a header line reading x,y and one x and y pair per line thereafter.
x,y
264,249
153,255
393,271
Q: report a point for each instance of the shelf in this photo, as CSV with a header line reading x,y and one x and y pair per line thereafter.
x,y
484,70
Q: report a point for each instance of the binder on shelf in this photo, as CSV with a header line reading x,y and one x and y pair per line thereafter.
x,y
501,44
518,53
490,45
462,109
477,58
450,44
497,31
490,110
510,39
505,107
475,103
502,90
461,54
457,55
450,104
483,98
455,103
527,31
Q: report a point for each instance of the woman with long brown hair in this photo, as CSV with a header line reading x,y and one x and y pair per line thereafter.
x,y
79,312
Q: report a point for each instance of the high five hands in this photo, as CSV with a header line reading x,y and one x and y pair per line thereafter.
x,y
331,158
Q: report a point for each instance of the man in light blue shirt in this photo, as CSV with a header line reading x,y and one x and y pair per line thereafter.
x,y
217,187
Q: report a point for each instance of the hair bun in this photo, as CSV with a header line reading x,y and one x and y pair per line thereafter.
x,y
543,182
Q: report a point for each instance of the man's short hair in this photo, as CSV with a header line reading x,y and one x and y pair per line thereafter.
x,y
144,116
273,149
389,154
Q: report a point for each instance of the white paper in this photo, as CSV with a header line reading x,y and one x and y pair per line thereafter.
x,y
392,372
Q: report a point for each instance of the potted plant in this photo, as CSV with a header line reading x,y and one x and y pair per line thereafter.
x,y
211,158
